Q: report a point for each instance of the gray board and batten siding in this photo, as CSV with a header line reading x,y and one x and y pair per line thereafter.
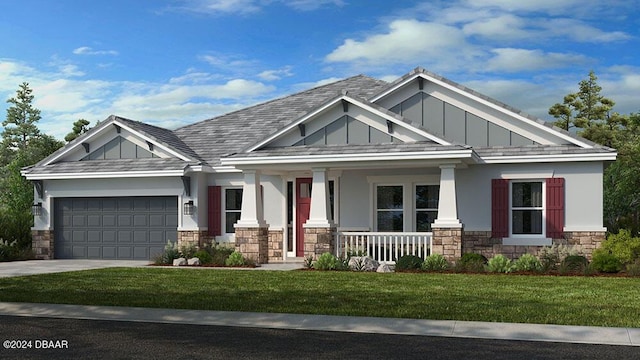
x,y
132,228
454,124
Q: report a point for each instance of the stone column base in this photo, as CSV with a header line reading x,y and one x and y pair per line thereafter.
x,y
318,241
253,243
447,242
588,241
42,244
196,238
275,245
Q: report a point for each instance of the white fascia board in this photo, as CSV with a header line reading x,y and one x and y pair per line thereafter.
x,y
340,158
105,125
225,169
154,142
105,175
547,158
486,103
397,122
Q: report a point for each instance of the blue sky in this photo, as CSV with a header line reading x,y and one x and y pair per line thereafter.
x,y
174,62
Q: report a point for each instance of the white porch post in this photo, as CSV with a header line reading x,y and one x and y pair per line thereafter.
x,y
448,203
251,215
320,212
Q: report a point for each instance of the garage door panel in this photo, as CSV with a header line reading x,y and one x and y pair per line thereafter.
x,y
114,228
140,220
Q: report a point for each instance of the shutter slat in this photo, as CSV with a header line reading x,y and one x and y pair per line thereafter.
x,y
555,208
215,211
499,208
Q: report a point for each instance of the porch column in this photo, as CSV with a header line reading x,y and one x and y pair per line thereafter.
x,y
447,203
252,232
319,229
447,228
252,212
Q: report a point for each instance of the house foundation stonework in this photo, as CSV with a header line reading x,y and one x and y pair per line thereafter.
x,y
588,241
318,241
447,242
253,243
196,238
42,244
276,238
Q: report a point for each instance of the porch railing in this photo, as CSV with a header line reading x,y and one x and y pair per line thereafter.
x,y
383,246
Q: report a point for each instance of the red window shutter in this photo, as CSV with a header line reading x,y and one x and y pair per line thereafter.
x,y
215,210
555,208
499,208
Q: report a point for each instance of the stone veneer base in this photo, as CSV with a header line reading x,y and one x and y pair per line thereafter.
x,y
42,244
318,241
253,243
193,237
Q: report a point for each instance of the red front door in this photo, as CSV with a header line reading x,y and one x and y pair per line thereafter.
x,y
303,206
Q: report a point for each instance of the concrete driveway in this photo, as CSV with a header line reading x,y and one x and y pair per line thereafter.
x,y
33,267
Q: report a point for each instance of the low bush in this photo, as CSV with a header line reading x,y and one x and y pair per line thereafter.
x,y
308,262
188,251
499,264
527,262
471,262
551,257
235,259
633,269
408,263
327,261
435,262
623,246
169,254
574,263
204,256
605,262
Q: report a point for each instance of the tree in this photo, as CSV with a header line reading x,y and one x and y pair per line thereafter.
x,y
79,127
586,110
20,125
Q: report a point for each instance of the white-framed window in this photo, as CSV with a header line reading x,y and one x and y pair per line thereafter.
x,y
232,208
410,207
527,208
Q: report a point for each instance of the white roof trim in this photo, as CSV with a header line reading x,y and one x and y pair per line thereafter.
x,y
486,103
105,126
547,158
104,175
364,106
340,158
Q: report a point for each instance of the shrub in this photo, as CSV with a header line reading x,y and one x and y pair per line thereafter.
x,y
471,262
435,262
188,251
169,254
8,251
634,269
204,256
574,263
527,262
308,262
606,262
625,247
235,259
551,257
408,262
327,261
499,264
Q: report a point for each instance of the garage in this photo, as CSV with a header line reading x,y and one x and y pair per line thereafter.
x,y
127,228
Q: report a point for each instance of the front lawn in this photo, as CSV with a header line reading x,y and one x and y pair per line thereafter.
x,y
595,301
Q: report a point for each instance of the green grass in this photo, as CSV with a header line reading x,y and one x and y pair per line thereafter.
x,y
595,301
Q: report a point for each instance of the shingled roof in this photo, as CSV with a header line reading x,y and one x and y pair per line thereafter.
x,y
230,133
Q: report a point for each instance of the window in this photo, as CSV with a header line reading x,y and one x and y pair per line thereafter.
x,y
390,213
406,207
527,208
232,208
426,206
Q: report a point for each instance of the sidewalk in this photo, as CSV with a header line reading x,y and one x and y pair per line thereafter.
x,y
462,329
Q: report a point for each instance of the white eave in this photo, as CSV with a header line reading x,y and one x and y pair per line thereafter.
x,y
519,159
344,158
104,175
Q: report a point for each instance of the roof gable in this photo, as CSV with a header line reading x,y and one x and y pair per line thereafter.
x,y
463,111
331,122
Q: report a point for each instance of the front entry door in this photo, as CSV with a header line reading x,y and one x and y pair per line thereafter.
x,y
303,207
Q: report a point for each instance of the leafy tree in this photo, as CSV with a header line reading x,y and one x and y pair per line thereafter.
x,y
79,127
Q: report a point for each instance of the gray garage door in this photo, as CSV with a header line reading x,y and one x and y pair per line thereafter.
x,y
114,228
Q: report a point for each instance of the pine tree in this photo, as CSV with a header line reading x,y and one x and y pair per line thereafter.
x,y
20,126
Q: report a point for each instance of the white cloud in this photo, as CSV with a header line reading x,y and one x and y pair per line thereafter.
x,y
85,50
579,31
505,26
273,75
515,60
246,7
309,5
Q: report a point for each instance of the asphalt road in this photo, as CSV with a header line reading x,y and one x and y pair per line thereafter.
x,y
90,339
